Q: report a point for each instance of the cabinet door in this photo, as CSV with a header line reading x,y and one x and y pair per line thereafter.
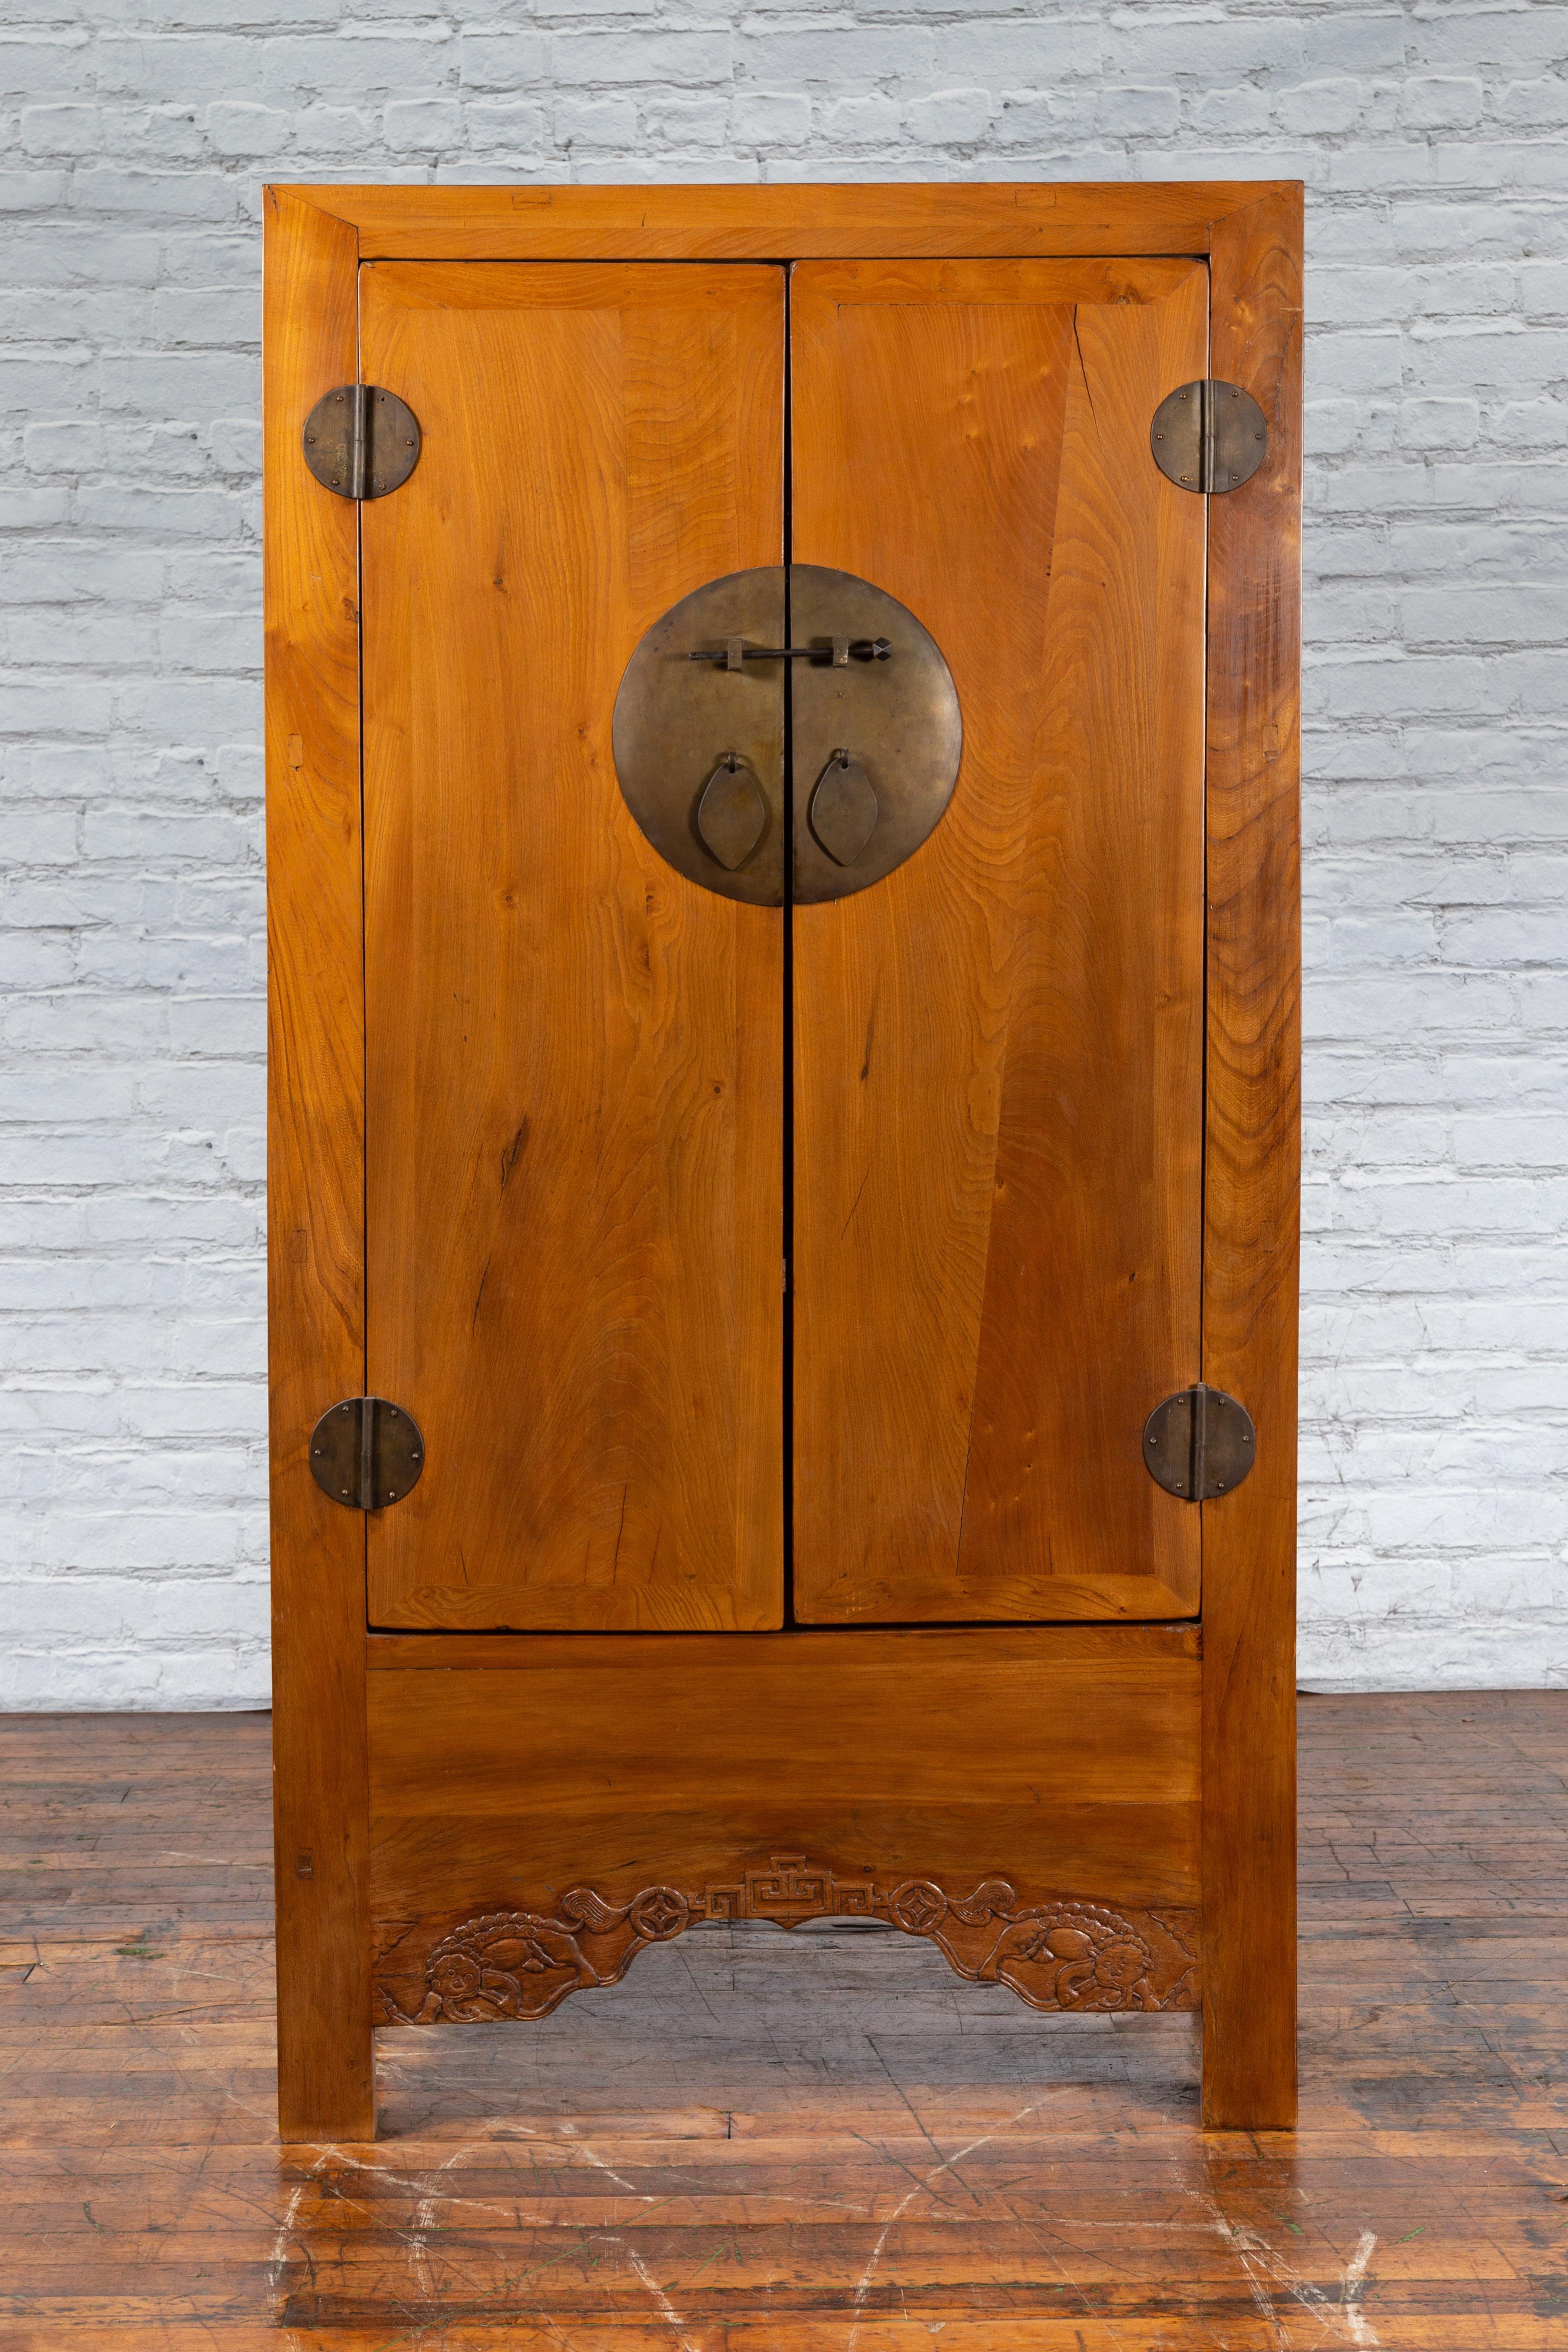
x,y
999,1048
573,1076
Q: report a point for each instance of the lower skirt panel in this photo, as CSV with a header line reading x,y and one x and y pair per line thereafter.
x,y
545,1807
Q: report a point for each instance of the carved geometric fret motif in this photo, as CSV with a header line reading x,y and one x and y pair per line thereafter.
x,y
1060,1953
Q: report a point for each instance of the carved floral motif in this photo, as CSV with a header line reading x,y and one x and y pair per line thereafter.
x,y
1061,1954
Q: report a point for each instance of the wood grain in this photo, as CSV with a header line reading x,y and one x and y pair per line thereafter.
x,y
795,2136
1062,1951
1059,1759
574,1085
789,221
1251,1229
315,1184
999,1049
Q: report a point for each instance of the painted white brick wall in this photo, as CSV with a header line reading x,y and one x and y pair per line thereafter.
x,y
136,138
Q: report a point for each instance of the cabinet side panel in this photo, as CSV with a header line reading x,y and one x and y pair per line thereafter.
x,y
1252,1188
315,1188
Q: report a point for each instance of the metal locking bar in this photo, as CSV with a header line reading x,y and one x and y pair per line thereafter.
x,y
835,652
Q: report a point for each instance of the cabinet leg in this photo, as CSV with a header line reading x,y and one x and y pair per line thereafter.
x,y
326,2073
326,2076
1250,2046
1249,1785
1249,1940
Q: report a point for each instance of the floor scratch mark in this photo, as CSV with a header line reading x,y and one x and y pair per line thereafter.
x,y
1265,2268
671,2316
863,2286
1361,2327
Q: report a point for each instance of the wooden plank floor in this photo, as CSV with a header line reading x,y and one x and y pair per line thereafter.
x,y
785,2144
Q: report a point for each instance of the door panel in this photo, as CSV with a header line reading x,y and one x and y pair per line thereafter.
x,y
573,1055
998,1072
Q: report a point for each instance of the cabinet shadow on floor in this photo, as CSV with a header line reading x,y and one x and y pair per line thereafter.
x,y
738,2023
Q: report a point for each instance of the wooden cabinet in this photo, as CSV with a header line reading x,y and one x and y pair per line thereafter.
x,y
778,1292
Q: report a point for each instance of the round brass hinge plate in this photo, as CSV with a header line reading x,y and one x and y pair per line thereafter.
x,y
1200,1443
361,441
366,1453
1208,435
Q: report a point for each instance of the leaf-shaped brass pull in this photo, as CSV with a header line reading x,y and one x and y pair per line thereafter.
x,y
731,813
844,809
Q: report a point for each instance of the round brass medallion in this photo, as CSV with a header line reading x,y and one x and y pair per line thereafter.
x,y
873,725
